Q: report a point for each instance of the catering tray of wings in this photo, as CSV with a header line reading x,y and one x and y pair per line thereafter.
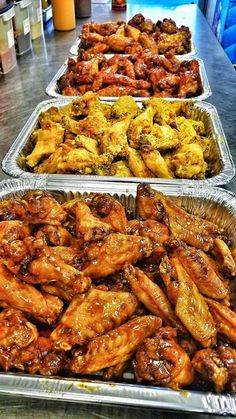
x,y
110,295
88,139
140,75
134,37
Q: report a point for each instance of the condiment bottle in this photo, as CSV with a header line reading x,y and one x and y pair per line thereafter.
x,y
36,20
21,24
63,14
82,8
7,43
119,5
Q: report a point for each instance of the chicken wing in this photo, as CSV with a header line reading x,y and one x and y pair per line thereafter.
x,y
137,165
120,169
199,267
217,367
224,318
110,210
190,306
161,361
114,140
118,43
162,138
42,208
155,162
125,106
114,254
188,162
25,297
142,124
111,348
153,298
46,143
193,230
82,161
18,342
225,260
89,226
92,314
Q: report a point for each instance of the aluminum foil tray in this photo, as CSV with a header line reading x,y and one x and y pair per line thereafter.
x,y
14,162
52,89
215,204
76,44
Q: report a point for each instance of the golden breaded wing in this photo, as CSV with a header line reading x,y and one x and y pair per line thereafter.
x,y
111,348
114,140
90,315
142,124
47,142
155,162
137,165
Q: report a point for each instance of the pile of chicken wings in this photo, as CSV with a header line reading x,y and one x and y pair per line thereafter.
x,y
86,287
141,74
162,139
134,37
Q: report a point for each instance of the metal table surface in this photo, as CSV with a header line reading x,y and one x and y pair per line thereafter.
x,y
24,87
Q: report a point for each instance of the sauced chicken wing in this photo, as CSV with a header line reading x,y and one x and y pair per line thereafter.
x,y
114,254
25,297
42,208
200,269
152,296
111,349
89,226
217,367
18,342
90,315
54,235
193,230
161,361
224,318
190,306
110,210
224,257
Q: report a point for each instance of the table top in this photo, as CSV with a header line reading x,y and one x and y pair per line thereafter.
x,y
24,87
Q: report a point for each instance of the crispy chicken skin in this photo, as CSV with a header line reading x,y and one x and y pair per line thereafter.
x,y
114,254
217,367
111,349
18,342
114,140
160,360
25,297
224,317
190,306
199,267
189,228
90,315
152,296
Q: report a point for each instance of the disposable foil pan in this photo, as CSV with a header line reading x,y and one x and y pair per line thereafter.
x,y
215,204
52,89
14,162
76,45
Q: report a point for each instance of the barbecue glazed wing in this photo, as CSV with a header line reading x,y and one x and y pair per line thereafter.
x,y
224,257
224,318
111,349
89,226
160,360
47,140
90,315
114,254
193,230
42,208
18,342
190,306
217,367
25,297
153,298
199,267
110,210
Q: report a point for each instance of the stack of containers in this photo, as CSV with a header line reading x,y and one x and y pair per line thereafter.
x,y
7,43
22,26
